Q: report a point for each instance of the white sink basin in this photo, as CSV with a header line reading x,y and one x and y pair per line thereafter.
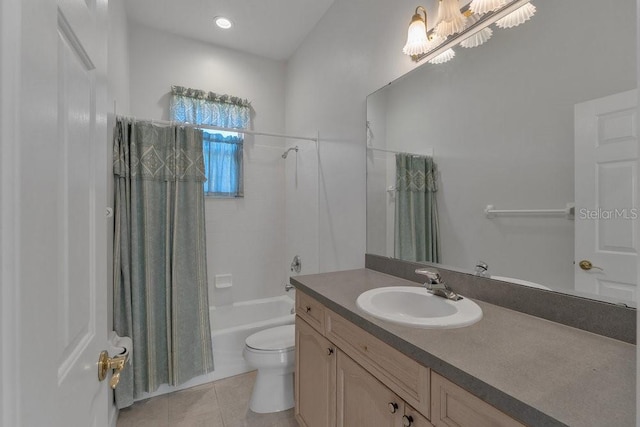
x,y
414,306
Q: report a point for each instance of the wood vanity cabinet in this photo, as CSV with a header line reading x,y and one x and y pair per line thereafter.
x,y
346,377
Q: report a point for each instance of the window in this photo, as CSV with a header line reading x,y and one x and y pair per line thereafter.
x,y
222,151
222,164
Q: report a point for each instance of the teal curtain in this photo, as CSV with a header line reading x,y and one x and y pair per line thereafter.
x,y
223,151
417,234
160,276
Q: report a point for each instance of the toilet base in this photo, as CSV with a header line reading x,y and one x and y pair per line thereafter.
x,y
272,392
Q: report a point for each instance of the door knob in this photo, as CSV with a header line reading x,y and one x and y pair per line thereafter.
x,y
407,420
116,363
393,407
329,351
586,265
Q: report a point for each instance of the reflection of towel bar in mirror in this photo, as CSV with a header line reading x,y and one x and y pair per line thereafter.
x,y
568,212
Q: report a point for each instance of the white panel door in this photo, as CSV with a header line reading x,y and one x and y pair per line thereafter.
x,y
82,143
606,175
53,242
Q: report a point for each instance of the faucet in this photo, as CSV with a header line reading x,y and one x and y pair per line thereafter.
x,y
436,285
482,269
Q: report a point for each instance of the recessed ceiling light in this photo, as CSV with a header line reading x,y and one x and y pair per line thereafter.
x,y
222,22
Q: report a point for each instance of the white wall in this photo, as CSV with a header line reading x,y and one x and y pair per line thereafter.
x,y
245,237
354,49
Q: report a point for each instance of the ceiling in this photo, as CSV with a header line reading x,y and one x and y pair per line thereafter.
x,y
273,28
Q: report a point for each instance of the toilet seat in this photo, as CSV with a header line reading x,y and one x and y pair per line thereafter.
x,y
273,340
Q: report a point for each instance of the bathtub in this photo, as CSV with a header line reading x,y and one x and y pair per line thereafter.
x,y
232,324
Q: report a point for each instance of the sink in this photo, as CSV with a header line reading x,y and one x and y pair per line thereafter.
x,y
414,306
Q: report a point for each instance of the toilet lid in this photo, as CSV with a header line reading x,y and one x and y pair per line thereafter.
x,y
278,338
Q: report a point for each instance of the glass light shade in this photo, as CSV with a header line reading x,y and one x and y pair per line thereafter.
x,y
478,38
481,7
450,19
445,56
517,17
417,41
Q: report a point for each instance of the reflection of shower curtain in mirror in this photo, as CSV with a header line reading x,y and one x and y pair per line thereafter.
x,y
416,217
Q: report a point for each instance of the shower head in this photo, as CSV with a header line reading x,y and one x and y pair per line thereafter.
x,y
286,153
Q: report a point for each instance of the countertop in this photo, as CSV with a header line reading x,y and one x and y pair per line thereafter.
x,y
539,372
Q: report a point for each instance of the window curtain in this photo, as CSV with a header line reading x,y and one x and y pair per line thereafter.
x,y
223,165
160,276
223,152
417,234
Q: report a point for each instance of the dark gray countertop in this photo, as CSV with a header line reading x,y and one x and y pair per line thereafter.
x,y
539,372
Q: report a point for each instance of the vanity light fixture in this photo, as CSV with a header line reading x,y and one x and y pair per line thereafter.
x,y
517,17
417,39
222,22
450,19
480,7
467,27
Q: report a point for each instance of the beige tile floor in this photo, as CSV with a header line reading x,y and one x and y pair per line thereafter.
x,y
224,403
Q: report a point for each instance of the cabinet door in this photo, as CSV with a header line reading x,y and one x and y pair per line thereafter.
x,y
413,418
362,400
315,379
452,406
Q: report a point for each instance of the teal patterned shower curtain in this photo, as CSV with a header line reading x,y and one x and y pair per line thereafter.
x,y
417,233
160,275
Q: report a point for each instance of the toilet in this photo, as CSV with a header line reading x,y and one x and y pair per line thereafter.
x,y
272,353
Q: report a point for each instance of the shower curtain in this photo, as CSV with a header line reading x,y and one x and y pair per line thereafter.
x,y
417,234
160,276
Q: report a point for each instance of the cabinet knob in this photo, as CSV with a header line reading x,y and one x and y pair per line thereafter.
x,y
407,420
393,407
329,351
307,309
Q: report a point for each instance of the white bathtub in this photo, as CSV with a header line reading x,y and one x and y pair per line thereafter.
x,y
232,324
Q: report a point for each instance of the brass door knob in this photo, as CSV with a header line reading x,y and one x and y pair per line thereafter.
x,y
393,407
116,363
586,265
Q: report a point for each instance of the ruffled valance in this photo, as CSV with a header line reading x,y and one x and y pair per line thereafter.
x,y
208,108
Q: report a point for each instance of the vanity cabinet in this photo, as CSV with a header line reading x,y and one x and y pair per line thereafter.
x,y
346,377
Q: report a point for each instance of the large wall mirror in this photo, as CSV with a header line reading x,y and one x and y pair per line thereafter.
x,y
540,120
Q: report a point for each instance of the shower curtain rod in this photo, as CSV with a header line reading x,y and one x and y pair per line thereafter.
x,y
236,130
428,152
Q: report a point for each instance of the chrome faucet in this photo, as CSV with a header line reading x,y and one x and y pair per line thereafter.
x,y
436,285
482,269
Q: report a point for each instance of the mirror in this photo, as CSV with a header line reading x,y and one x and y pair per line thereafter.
x,y
540,117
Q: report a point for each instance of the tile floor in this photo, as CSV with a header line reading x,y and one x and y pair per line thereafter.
x,y
224,403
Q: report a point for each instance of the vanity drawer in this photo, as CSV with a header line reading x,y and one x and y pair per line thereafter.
x,y
403,375
310,310
454,406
